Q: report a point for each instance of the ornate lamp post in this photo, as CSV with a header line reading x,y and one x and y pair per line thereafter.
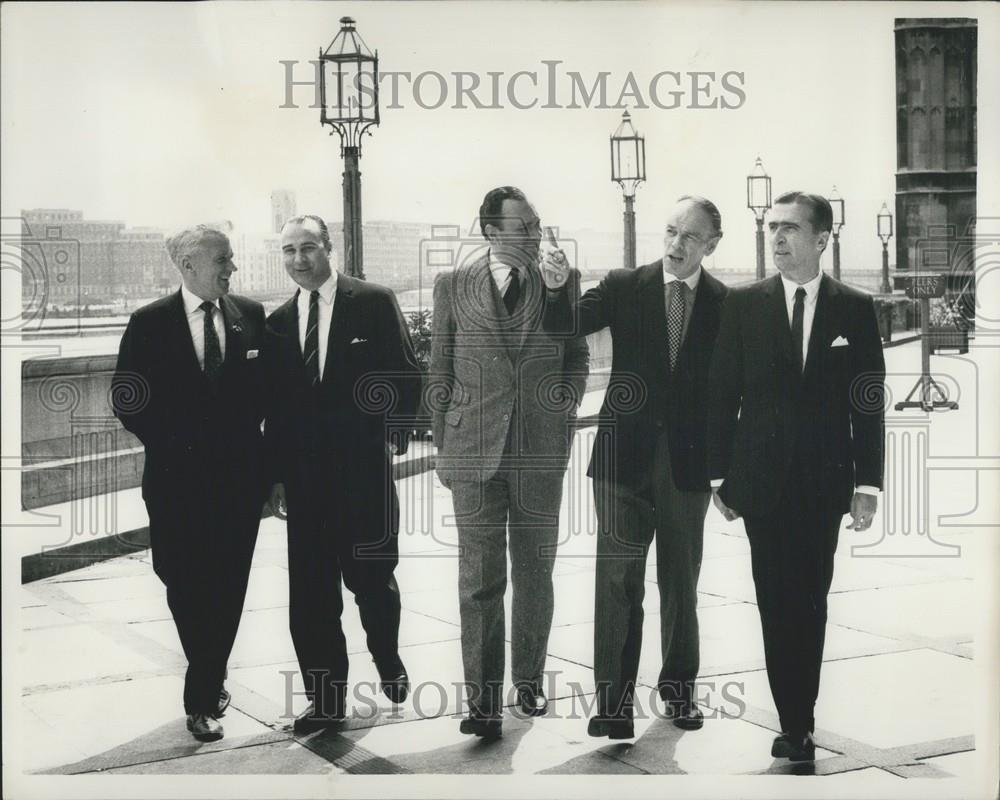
x,y
884,221
837,204
759,201
349,71
628,170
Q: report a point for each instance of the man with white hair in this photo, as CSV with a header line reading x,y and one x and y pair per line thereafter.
x,y
188,385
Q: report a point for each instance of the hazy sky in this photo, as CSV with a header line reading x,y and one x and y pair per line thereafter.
x,y
157,114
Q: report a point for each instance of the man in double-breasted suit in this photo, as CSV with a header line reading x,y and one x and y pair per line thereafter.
x,y
188,384
795,442
503,437
649,461
344,386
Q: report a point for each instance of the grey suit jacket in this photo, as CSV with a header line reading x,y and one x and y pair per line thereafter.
x,y
490,371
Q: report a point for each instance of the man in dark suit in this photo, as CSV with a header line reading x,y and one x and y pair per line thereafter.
x,y
649,461
188,385
795,442
503,442
344,388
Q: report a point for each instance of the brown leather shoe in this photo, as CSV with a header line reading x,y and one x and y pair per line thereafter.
x,y
204,727
531,701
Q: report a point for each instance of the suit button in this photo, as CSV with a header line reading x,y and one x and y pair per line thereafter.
x,y
506,417
659,423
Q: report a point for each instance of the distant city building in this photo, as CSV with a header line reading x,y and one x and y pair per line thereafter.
x,y
391,251
69,260
936,148
282,208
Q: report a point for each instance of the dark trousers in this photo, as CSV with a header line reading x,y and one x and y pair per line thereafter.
x,y
629,518
792,555
330,539
520,506
202,555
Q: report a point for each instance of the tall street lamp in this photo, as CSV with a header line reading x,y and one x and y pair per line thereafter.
x,y
837,204
885,234
759,201
350,71
628,170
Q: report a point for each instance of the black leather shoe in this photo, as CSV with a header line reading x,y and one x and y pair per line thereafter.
x,y
224,698
685,715
485,727
397,688
532,701
794,747
204,727
310,722
612,727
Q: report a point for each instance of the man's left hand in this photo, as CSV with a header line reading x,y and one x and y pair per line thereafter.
x,y
863,511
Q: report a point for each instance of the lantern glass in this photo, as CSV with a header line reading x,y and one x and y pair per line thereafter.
x,y
837,206
349,79
628,156
758,189
884,223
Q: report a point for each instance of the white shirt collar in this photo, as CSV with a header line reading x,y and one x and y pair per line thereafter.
x,y
192,302
326,291
691,280
811,287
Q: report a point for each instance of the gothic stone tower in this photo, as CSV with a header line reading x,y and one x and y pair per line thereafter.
x,y
936,148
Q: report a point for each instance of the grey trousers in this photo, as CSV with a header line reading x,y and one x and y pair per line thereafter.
x,y
525,503
628,519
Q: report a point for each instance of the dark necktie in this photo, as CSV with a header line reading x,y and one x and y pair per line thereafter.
x,y
311,351
513,292
675,322
213,349
798,316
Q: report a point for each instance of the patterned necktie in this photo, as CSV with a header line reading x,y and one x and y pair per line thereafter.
x,y
311,352
513,292
213,349
798,316
675,321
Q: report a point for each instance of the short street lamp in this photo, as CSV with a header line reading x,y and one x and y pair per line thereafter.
x,y
628,170
350,71
759,201
885,234
837,204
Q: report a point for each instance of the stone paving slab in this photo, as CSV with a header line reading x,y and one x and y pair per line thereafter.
x,y
286,757
888,700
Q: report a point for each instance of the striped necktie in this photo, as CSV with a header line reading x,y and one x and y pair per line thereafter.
x,y
311,351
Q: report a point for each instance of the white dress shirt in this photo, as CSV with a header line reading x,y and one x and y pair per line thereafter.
x,y
196,322
501,273
808,315
327,294
809,307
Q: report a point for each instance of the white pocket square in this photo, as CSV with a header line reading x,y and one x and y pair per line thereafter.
x,y
358,341
840,341
253,353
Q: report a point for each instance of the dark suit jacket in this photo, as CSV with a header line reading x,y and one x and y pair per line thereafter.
x,y
368,396
764,412
204,449
643,397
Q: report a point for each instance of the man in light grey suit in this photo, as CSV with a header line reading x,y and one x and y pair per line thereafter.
x,y
503,437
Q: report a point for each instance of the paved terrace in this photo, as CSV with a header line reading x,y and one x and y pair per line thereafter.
x,y
101,666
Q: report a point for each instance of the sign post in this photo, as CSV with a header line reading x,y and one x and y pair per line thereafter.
x,y
923,286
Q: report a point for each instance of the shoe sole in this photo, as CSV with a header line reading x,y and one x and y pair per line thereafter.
x,y
689,725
